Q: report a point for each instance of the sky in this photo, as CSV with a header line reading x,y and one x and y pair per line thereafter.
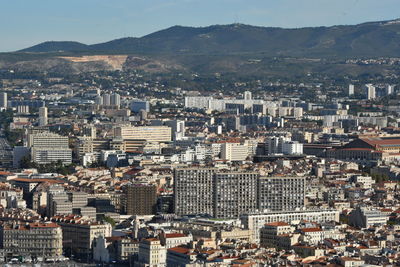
x,y
24,23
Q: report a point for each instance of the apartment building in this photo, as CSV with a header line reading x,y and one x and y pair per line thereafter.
x,y
79,234
148,133
234,193
141,199
255,221
281,193
89,145
234,151
43,118
34,239
44,155
273,235
151,253
49,147
193,189
3,100
218,193
48,140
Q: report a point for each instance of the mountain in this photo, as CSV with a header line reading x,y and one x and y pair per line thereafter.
x,y
373,39
56,46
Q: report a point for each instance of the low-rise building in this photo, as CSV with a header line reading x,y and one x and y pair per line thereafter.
x,y
278,235
365,217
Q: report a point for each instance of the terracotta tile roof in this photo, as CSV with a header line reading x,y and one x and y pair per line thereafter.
x,y
381,141
277,224
312,229
38,180
181,250
175,235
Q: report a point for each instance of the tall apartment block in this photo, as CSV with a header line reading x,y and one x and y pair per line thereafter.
x,y
115,100
350,91
389,89
370,91
221,194
193,189
177,128
234,193
229,194
49,147
234,151
148,133
3,100
141,199
106,99
43,118
281,193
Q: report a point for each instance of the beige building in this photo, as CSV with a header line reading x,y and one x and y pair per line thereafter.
x,y
152,253
89,145
314,236
47,140
278,235
126,247
234,151
256,221
148,133
170,240
49,147
34,239
78,234
213,232
127,144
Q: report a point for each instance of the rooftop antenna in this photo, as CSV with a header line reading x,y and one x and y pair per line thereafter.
x,y
236,20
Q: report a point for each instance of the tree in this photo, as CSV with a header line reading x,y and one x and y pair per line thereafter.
x,y
27,163
110,221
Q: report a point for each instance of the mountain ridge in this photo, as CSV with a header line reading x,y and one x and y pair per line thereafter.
x,y
380,38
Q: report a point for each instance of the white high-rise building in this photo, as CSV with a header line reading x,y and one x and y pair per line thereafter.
x,y
350,90
247,95
43,119
106,99
49,147
115,100
274,145
177,129
98,100
234,151
389,89
370,90
3,100
292,148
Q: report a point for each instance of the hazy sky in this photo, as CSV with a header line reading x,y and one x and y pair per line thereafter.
x,y
28,22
